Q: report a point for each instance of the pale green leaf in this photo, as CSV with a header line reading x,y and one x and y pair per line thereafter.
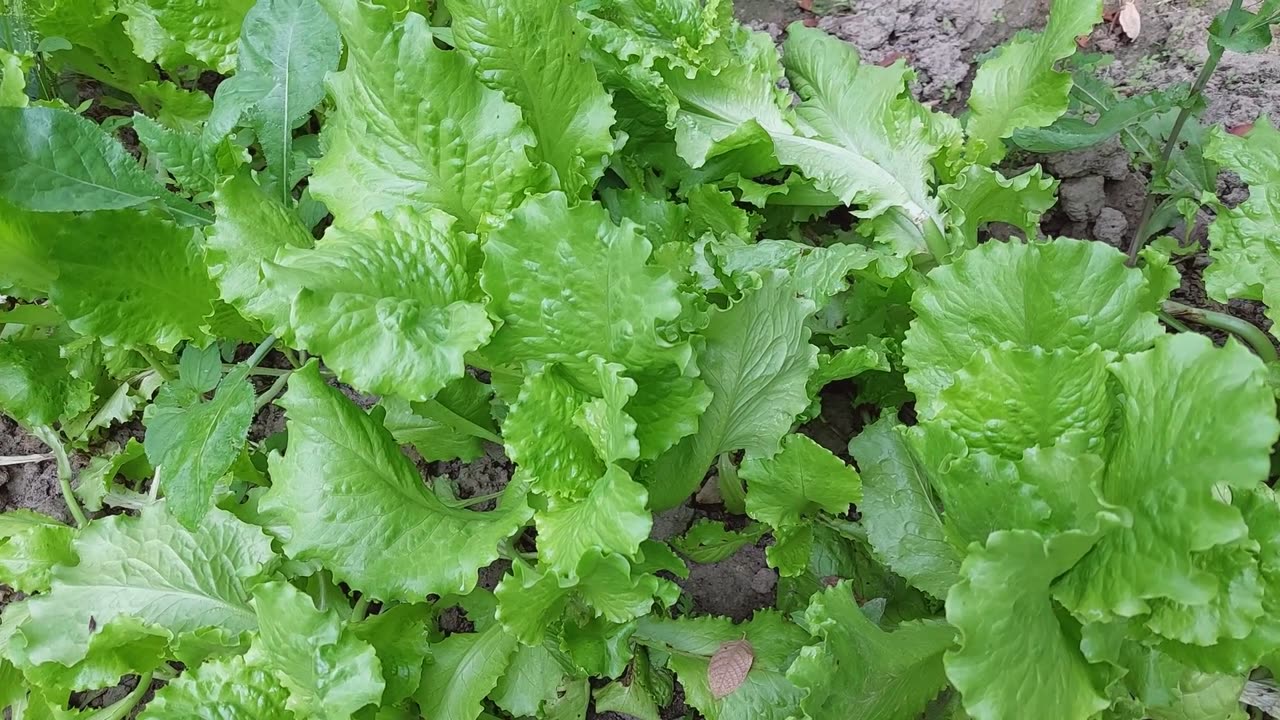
x,y
859,670
612,518
347,497
414,127
464,669
1059,294
399,636
223,689
981,196
1242,240
567,283
30,551
192,585
170,32
531,51
36,384
1172,479
1021,87
756,361
329,671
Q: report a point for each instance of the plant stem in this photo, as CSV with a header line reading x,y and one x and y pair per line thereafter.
x,y
1202,81
1173,322
1248,332
155,364
49,436
361,609
260,353
24,459
271,393
121,708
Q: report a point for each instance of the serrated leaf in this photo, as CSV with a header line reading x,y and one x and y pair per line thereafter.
x,y
399,637
568,284
981,196
191,585
192,442
329,671
757,362
1183,382
612,518
903,522
531,51
708,541
1059,294
1021,87
33,545
195,163
61,161
532,680
219,690
389,305
36,384
472,164
171,32
859,670
1009,631
346,496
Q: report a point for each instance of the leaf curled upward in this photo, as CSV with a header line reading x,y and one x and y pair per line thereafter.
x,y
729,667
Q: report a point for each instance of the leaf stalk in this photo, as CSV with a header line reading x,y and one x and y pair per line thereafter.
x,y
1246,331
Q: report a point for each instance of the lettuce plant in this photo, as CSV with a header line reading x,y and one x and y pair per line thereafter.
x,y
619,243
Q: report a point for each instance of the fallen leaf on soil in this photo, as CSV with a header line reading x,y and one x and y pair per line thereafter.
x,y
805,5
890,58
729,667
1131,19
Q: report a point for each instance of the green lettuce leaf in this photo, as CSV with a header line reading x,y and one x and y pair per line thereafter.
x,y
612,519
1010,631
464,669
151,291
397,140
757,361
36,384
193,586
859,670
1171,480
344,495
787,491
1242,239
455,423
390,305
531,51
567,283
900,512
329,671
219,690
1021,86
171,33
33,545
1059,294
980,196
399,637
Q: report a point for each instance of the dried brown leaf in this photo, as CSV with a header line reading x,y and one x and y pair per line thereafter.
x,y
729,667
1130,19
